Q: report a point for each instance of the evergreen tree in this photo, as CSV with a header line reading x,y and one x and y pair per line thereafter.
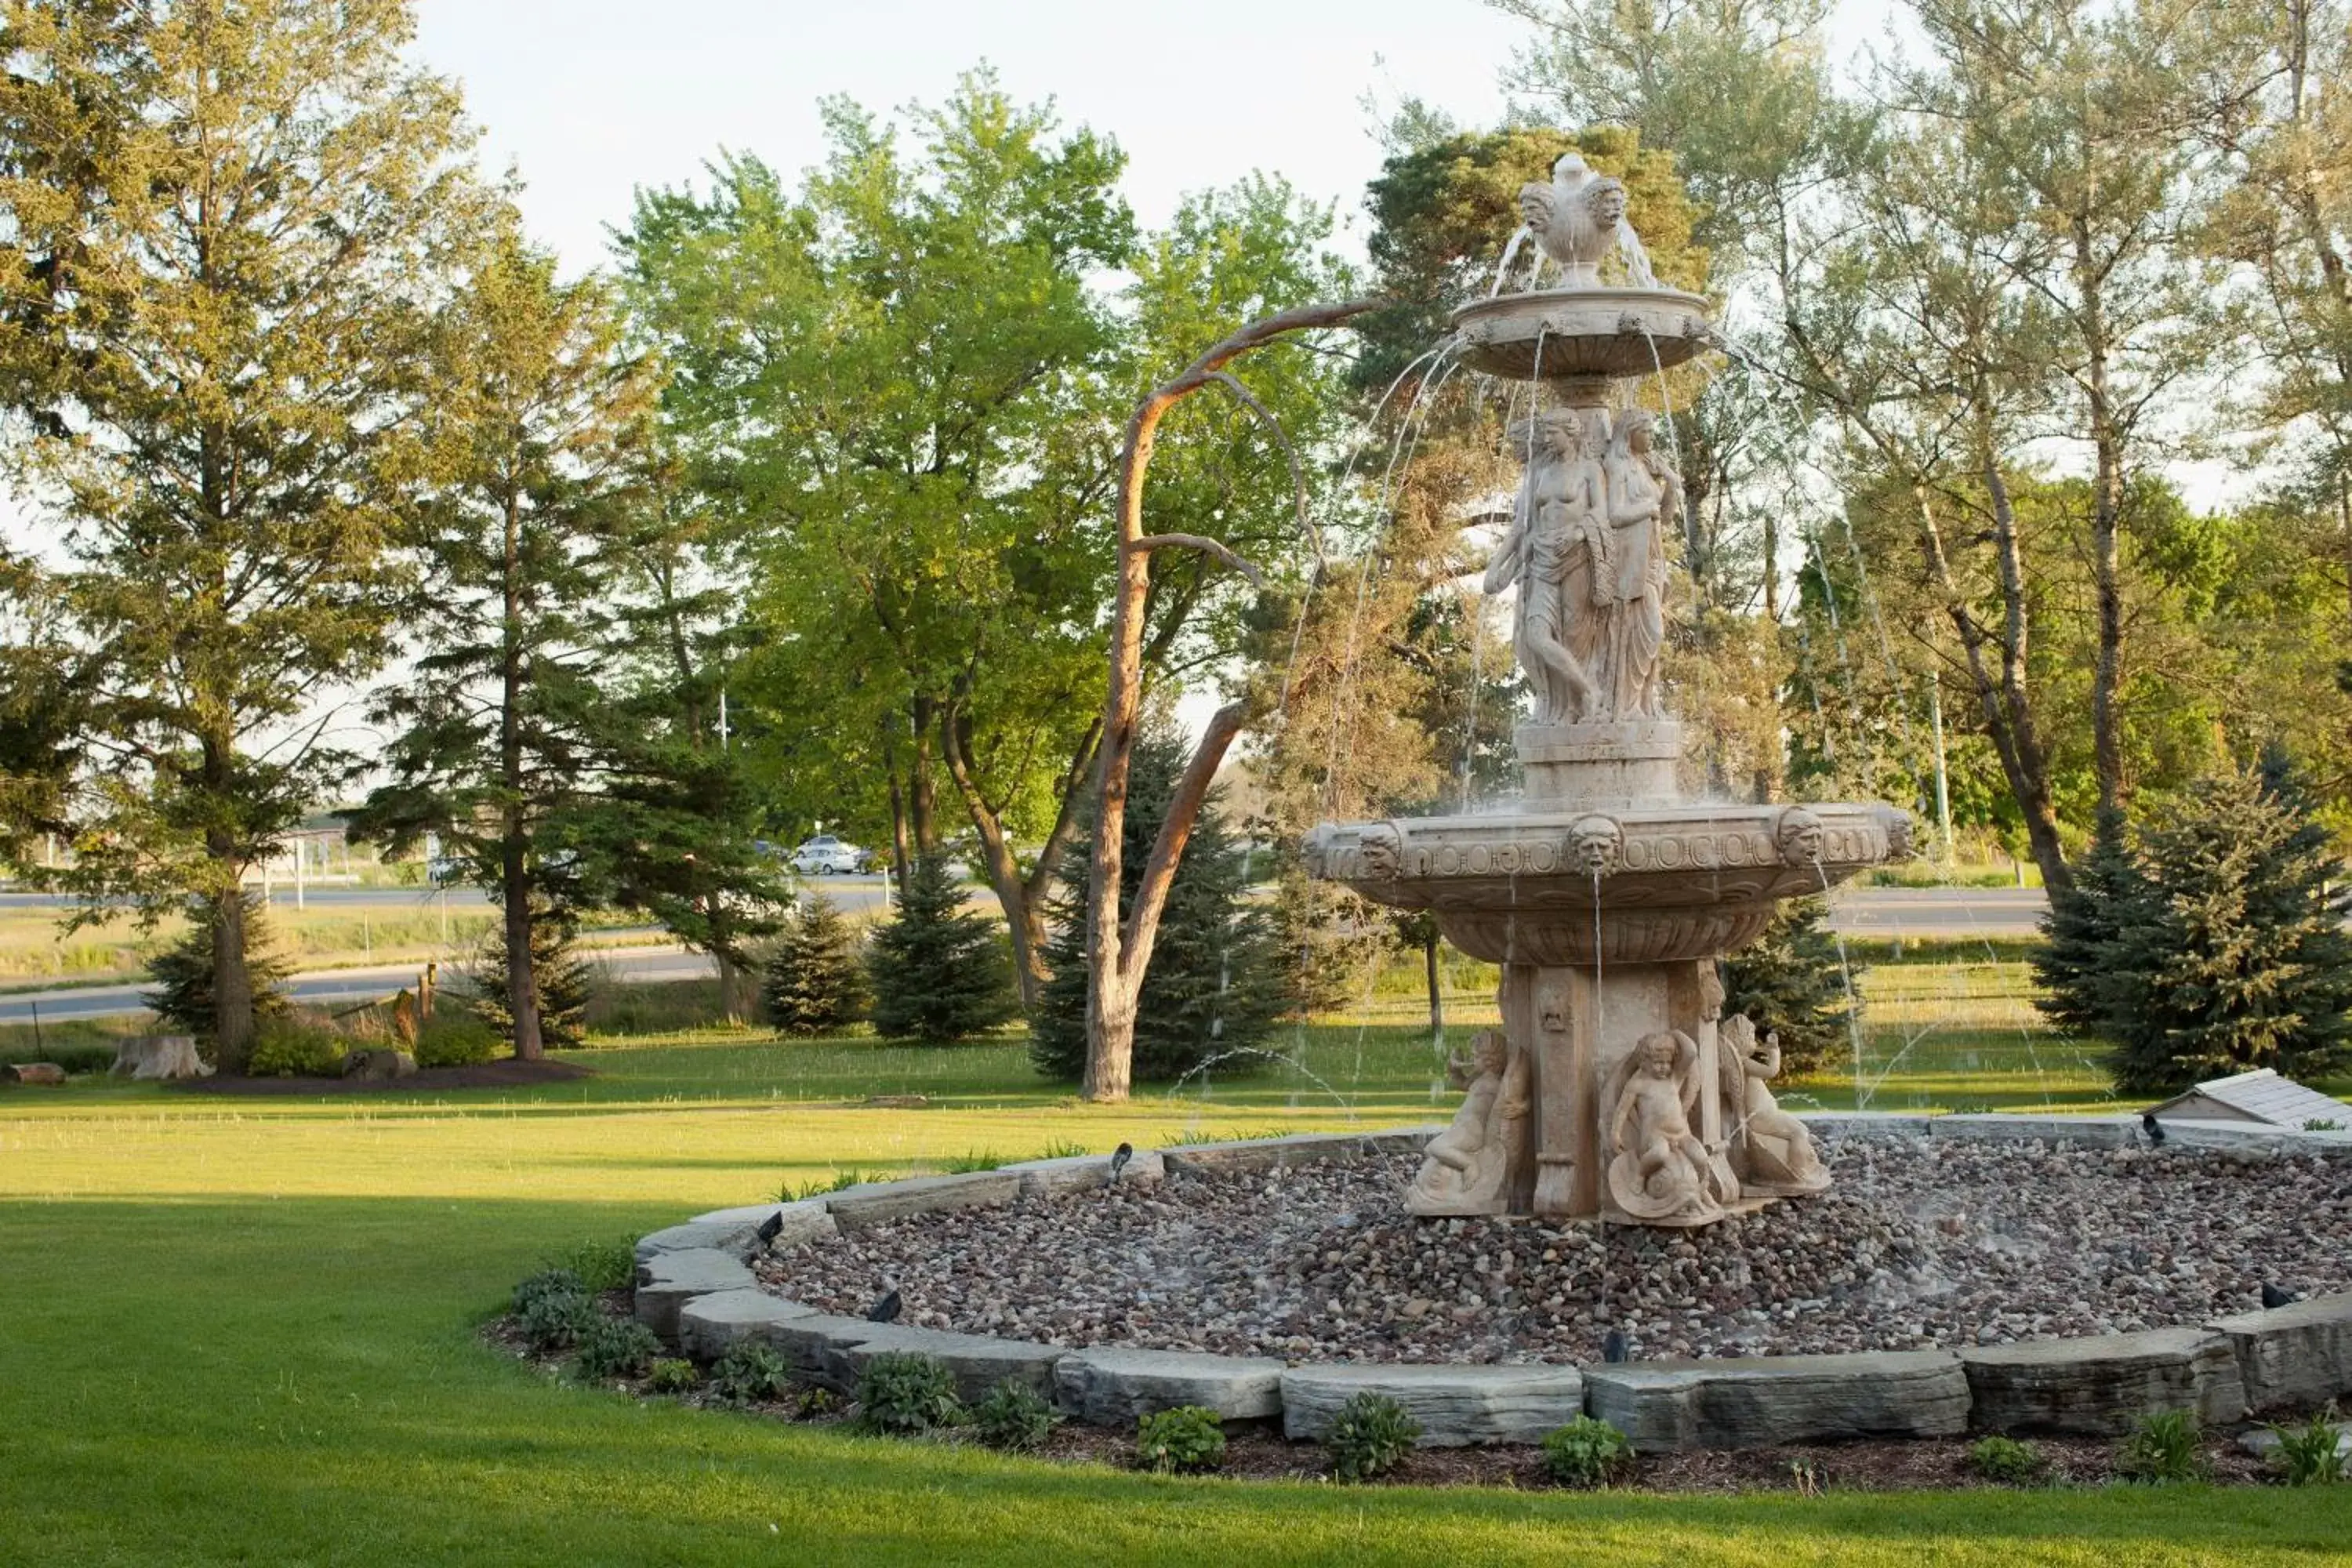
x,y
2237,958
183,972
1792,982
815,981
226,228
509,747
2075,967
561,980
1214,983
939,969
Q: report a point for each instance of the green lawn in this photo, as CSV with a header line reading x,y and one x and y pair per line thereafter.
x,y
243,1330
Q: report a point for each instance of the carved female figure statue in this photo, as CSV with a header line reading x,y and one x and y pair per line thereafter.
x,y
1773,1151
1659,1170
1557,498
1643,492
1467,1169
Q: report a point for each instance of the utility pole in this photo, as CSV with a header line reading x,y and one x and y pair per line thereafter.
x,y
1943,779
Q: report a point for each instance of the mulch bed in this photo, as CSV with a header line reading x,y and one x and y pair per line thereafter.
x,y
507,1073
1254,1452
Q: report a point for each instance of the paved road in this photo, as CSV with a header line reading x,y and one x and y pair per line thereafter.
x,y
328,987
1939,911
1943,912
850,892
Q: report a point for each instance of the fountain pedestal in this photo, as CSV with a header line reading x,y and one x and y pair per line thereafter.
x,y
1617,1087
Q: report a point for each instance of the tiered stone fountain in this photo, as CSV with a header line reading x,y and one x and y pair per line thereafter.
x,y
1616,1088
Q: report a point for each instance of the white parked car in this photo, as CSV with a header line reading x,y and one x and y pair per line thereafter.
x,y
826,855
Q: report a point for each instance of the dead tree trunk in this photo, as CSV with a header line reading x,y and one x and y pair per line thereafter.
x,y
1118,952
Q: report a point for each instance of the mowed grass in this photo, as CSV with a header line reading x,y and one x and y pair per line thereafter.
x,y
246,1330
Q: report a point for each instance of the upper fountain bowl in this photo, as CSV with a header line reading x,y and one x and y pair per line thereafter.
x,y
1593,334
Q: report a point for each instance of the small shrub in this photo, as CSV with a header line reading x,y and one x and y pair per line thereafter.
x,y
616,1347
2162,1448
550,1281
455,1039
749,1372
1587,1452
2006,1460
1371,1435
672,1374
600,1265
814,1404
294,1047
1014,1416
1183,1441
908,1394
2307,1454
556,1323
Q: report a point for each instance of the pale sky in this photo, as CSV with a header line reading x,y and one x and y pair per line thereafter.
x,y
591,98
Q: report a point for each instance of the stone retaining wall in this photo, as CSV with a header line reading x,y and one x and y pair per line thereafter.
x,y
694,1290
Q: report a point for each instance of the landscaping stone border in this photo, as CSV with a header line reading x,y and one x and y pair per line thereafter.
x,y
694,1290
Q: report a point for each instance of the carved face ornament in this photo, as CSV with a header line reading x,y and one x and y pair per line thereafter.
x,y
1382,849
1605,200
1594,843
1799,836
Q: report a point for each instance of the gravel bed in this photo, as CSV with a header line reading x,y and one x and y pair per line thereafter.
x,y
1921,1243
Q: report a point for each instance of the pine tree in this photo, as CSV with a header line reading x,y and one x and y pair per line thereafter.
x,y
1214,984
561,980
183,972
939,969
227,229
1792,982
815,981
506,743
2237,958
2075,968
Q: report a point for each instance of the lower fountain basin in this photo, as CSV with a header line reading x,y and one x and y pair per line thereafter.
x,y
1632,887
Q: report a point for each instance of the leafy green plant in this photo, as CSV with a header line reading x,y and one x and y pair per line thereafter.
x,y
1587,1452
970,1161
452,1038
908,1394
616,1347
2006,1460
295,1047
605,1264
550,1281
1369,1436
1183,1441
2322,1124
671,1375
555,1323
815,1403
1061,1149
2307,1452
1014,1416
749,1372
2162,1448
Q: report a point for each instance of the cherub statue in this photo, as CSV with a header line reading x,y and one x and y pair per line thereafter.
x,y
1467,1169
1771,1149
1580,219
1659,1170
